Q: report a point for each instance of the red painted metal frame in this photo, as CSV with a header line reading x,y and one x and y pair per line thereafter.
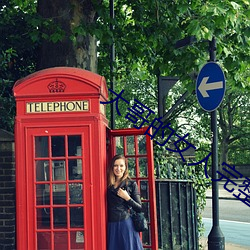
x,y
150,178
31,185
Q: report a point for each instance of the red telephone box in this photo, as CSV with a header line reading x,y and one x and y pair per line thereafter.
x,y
61,160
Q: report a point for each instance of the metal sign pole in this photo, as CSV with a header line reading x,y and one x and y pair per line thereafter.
x,y
216,238
112,61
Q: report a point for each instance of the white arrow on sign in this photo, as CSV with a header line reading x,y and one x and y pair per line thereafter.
x,y
204,86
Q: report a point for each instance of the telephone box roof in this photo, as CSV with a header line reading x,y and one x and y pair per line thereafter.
x,y
94,81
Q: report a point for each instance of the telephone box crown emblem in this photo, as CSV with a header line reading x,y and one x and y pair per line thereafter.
x,y
56,86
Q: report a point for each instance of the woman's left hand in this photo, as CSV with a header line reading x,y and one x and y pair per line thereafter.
x,y
123,194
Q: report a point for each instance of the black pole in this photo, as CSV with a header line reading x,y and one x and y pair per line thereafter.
x,y
112,61
216,238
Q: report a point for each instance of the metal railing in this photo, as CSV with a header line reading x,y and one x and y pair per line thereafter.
x,y
176,209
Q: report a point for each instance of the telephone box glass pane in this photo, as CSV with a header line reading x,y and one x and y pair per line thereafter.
x,y
144,190
131,167
75,169
43,241
146,210
76,217
61,240
59,194
74,145
41,194
58,171
146,237
42,170
143,165
75,193
43,218
60,217
142,144
58,146
130,145
41,146
119,145
77,240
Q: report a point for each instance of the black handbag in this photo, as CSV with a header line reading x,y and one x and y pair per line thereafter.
x,y
140,222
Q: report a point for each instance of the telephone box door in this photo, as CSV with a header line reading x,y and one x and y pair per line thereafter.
x,y
59,188
138,149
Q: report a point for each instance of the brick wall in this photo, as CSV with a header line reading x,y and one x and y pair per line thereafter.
x,y
7,192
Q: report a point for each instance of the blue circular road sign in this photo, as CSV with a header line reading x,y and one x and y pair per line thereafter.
x,y
210,86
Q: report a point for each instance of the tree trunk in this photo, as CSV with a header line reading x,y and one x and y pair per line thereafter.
x,y
223,154
226,130
75,49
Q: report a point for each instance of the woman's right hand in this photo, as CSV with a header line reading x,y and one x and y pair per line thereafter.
x,y
123,194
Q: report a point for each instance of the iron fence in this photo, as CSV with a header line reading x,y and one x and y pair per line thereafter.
x,y
176,210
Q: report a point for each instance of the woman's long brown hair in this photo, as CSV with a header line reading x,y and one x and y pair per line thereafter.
x,y
111,175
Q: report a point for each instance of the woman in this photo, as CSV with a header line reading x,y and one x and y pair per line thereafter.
x,y
122,195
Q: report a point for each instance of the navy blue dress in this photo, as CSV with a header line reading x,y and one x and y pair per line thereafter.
x,y
121,231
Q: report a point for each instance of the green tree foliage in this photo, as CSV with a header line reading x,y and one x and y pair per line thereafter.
x,y
234,118
17,53
146,32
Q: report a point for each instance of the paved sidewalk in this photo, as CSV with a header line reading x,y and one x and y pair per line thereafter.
x,y
228,246
224,194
